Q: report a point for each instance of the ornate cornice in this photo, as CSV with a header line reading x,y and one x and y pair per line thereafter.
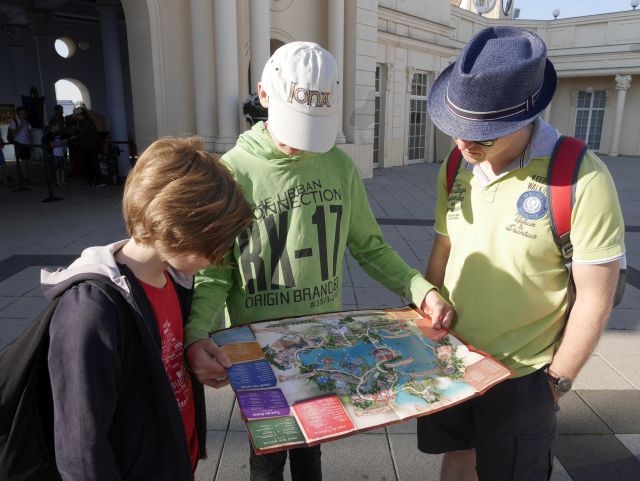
x,y
39,21
389,76
623,82
410,71
16,35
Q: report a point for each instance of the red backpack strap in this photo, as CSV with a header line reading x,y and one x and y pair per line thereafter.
x,y
453,165
561,180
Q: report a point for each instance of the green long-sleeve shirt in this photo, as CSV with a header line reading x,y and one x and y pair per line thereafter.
x,y
308,209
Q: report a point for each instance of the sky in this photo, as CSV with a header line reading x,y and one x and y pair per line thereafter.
x,y
542,9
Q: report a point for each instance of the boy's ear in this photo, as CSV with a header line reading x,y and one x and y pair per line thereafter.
x,y
263,96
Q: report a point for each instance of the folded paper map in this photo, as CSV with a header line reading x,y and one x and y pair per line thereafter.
x,y
307,380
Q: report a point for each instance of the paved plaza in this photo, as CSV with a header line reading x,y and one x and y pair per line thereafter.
x,y
599,421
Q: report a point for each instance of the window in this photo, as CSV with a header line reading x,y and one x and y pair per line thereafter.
x,y
65,47
589,117
418,118
376,121
70,92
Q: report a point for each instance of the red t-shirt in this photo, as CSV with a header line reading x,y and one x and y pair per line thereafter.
x,y
166,308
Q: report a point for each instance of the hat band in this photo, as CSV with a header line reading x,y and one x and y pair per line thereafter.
x,y
494,114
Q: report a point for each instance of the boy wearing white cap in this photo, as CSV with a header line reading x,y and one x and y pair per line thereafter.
x,y
310,204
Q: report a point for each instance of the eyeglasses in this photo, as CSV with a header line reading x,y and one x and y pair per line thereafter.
x,y
484,143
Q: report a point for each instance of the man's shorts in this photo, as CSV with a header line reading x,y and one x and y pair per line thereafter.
x,y
23,152
512,428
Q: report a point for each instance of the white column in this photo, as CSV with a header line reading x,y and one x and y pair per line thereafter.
x,y
202,40
227,87
623,82
116,106
259,18
336,47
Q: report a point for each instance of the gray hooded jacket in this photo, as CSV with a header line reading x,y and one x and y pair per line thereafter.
x,y
113,420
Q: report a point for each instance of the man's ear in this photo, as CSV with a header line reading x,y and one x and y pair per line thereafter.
x,y
263,96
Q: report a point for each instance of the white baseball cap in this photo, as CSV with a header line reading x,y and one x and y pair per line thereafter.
x,y
301,80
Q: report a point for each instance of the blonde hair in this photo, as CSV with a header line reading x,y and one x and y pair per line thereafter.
x,y
184,199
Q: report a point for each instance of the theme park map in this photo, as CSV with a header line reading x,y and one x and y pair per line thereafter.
x,y
307,380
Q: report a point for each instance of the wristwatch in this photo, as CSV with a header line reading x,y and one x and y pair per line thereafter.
x,y
562,384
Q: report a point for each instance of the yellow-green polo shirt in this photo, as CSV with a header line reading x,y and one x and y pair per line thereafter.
x,y
505,275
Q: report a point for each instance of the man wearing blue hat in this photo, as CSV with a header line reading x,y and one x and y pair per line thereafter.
x,y
495,257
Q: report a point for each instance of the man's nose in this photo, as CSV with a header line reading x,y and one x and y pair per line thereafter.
x,y
463,144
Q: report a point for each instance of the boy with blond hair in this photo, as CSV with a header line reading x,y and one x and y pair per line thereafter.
x,y
139,414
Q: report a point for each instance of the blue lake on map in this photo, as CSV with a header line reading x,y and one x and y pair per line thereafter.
x,y
359,358
411,346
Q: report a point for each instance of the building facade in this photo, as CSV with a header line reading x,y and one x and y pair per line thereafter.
x,y
187,66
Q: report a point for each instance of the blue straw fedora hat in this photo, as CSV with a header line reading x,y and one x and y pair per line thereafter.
x,y
500,82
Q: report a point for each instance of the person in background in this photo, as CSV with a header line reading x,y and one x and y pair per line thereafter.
x,y
55,146
3,165
20,130
86,138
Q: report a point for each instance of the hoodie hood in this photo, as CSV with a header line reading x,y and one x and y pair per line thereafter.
x,y
96,263
258,142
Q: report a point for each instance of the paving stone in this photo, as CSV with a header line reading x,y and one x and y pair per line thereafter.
x,y
234,461
24,308
10,329
361,279
597,457
632,442
376,297
5,301
631,299
619,409
412,464
634,335
31,272
10,265
219,403
349,297
627,366
35,292
236,423
414,233
597,374
368,459
207,467
421,247
616,342
346,275
577,417
559,473
624,319
406,427
391,234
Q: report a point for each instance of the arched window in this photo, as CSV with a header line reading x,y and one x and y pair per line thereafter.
x,y
275,44
70,92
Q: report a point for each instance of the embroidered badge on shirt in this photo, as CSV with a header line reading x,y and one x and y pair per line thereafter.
x,y
532,205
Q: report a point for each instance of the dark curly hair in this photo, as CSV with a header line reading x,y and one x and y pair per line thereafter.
x,y
253,110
